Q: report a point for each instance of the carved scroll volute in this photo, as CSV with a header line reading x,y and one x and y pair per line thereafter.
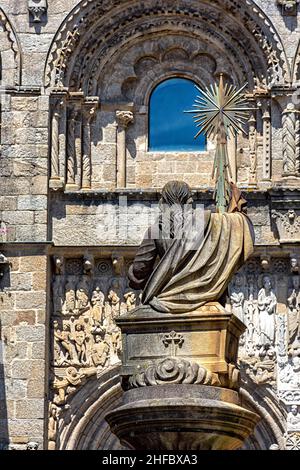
x,y
89,112
124,118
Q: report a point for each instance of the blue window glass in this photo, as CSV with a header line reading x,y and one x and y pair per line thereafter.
x,y
170,129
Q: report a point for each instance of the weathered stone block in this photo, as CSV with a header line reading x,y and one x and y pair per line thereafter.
x,y
30,333
21,281
32,202
25,369
30,409
33,263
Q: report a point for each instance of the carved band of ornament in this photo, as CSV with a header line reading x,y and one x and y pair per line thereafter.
x,y
173,371
73,29
289,221
289,396
124,118
293,441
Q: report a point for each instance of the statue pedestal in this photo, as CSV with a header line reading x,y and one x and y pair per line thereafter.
x,y
180,380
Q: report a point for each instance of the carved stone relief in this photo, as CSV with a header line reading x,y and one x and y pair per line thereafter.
x,y
268,305
87,297
288,225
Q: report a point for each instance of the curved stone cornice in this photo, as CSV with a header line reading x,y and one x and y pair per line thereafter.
x,y
14,45
249,25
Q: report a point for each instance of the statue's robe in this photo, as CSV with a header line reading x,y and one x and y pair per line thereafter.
x,y
190,274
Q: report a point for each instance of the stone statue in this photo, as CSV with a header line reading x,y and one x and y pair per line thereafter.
x,y
293,418
197,261
97,302
293,302
237,297
82,294
130,299
100,352
267,304
79,339
70,301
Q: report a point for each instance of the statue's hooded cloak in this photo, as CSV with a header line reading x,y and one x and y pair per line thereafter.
x,y
196,263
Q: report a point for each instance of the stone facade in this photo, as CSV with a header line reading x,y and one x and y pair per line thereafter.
x,y
79,187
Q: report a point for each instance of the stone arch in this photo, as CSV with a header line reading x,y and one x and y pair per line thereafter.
x,y
271,429
96,32
296,65
83,426
10,53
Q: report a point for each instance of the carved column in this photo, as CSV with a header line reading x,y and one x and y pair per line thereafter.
x,y
55,172
124,118
290,141
89,109
267,140
253,149
71,157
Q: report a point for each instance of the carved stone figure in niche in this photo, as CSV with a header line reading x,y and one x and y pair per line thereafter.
x,y
63,348
70,303
54,412
82,294
66,385
294,310
97,302
58,295
130,299
114,298
100,352
237,297
293,418
251,318
267,304
79,338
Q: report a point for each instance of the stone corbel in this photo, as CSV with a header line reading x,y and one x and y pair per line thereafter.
x,y
118,263
4,263
265,261
37,8
124,118
58,264
288,7
288,225
88,264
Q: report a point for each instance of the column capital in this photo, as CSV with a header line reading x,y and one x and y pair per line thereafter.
x,y
124,118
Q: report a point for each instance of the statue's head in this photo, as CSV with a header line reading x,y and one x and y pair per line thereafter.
x,y
176,192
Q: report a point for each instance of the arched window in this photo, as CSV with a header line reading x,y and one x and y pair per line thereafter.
x,y
170,129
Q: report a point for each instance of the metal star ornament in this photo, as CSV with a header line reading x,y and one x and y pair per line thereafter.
x,y
218,112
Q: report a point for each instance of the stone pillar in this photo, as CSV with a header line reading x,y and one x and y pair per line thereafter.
x,y
253,149
89,109
291,141
267,140
71,157
123,119
55,179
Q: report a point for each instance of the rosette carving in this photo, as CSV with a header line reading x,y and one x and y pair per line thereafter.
x,y
173,371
